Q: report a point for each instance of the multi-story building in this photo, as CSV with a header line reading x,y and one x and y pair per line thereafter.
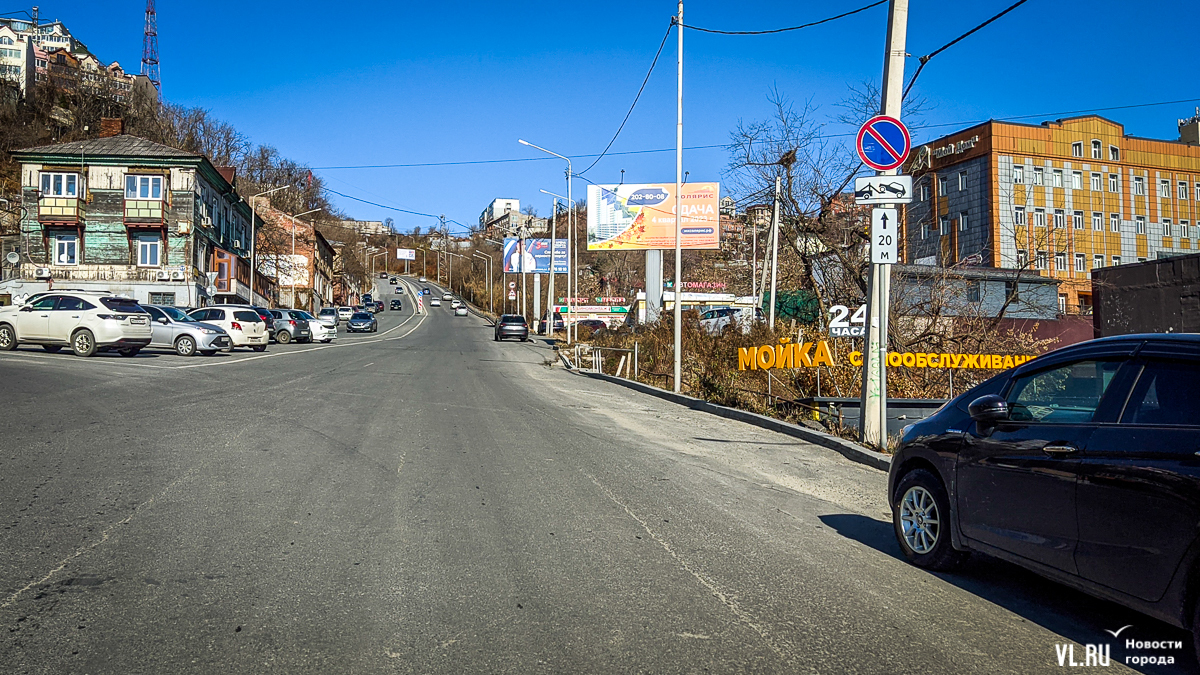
x,y
514,223
44,36
300,259
122,214
17,64
1062,198
498,208
367,227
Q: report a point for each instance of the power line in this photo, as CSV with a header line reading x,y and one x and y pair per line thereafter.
x,y
635,99
925,59
783,30
393,208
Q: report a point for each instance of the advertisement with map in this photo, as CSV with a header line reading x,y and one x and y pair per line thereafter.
x,y
642,216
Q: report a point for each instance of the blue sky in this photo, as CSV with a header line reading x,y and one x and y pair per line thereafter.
x,y
377,82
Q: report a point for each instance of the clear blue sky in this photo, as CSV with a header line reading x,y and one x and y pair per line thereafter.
x,y
383,82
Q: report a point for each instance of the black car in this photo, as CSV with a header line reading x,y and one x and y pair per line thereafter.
x,y
362,322
558,323
1081,465
396,305
511,326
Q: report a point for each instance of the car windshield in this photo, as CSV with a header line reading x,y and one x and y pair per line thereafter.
x,y
360,316
328,311
177,314
122,305
512,319
247,315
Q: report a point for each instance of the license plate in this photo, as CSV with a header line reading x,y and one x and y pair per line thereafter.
x,y
138,320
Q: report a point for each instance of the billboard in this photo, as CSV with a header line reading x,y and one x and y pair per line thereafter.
x,y
406,254
635,217
537,256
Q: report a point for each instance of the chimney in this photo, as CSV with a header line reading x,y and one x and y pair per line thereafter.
x,y
111,126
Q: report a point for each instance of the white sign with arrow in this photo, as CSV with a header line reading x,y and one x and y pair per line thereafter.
x,y
883,236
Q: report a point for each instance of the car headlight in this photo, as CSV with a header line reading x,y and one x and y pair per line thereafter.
x,y
209,331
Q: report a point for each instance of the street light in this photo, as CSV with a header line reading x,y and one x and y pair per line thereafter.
x,y
293,275
570,231
254,236
553,237
450,283
491,294
372,258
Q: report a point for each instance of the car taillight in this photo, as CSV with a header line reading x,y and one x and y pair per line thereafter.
x,y
236,325
291,322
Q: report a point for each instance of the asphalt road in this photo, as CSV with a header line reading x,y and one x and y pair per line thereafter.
x,y
425,500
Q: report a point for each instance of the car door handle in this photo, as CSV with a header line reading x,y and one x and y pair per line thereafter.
x,y
1060,449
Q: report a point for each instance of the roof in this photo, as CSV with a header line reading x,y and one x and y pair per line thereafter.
x,y
112,146
973,273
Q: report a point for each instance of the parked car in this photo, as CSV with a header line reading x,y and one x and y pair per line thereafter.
x,y
1079,465
434,302
591,326
172,328
559,324
362,322
85,322
511,326
291,325
245,327
322,331
396,305
715,320
264,314
329,316
379,306
461,310
344,313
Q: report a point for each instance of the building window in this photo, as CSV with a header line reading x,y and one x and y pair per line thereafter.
x,y
1197,197
1077,149
1139,185
962,221
1114,153
5,40
60,185
943,185
1037,175
1077,220
1060,218
1097,262
1039,261
1080,263
1060,262
149,246
1140,259
1182,190
1114,222
1056,178
1164,188
1039,217
143,187
167,299
1166,227
1096,147
1012,292
1116,260
944,225
1096,186
1077,180
66,249
962,180
1062,303
1183,228
973,294
1097,221
1019,175
1140,224
924,193
1114,184
1022,259
1019,215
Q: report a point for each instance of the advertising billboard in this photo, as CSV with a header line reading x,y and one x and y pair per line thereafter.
x,y
406,254
636,217
537,256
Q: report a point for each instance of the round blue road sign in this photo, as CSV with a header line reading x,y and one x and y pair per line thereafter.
x,y
883,143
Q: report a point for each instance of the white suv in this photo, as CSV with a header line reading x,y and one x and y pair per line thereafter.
x,y
85,322
245,327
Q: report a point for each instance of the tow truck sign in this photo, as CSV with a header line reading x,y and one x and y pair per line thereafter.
x,y
883,190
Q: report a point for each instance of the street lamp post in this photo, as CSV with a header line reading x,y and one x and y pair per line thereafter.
x,y
491,295
254,236
554,222
292,276
570,232
372,257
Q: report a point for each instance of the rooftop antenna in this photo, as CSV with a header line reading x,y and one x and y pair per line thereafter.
x,y
150,48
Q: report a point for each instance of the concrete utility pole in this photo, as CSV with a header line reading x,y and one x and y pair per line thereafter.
x,y
774,252
873,410
678,207
550,290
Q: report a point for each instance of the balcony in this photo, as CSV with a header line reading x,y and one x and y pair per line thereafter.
x,y
144,212
99,273
60,210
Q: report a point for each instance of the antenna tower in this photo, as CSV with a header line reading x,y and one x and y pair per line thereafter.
x,y
150,47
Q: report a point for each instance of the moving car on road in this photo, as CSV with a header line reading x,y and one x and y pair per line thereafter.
x,y
455,303
172,328
329,316
511,326
461,310
85,322
362,322
290,325
434,302
393,281
344,313
396,305
1079,465
244,326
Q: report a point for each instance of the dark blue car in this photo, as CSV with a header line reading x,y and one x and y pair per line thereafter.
x,y
362,322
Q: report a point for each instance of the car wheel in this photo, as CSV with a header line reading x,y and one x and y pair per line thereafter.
x,y
921,517
208,352
129,351
259,348
283,337
83,343
8,338
185,346
53,349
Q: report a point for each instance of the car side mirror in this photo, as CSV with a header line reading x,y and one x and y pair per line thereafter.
x,y
26,308
988,410
162,320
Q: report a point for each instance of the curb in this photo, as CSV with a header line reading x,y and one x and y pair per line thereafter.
x,y
847,449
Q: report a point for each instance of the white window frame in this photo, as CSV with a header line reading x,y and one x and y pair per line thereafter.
x,y
943,184
1022,258
1040,261
1019,215
1077,180
1097,182
1060,261
1139,186
1114,182
1039,217
56,184
1114,153
962,221
1116,260
944,225
1019,176
1077,149
1166,227
1139,224
148,244
1181,190
1164,188
145,187
64,243
1097,261
1077,220
1080,263
1183,229
1097,149
1056,178
1114,222
1039,176
1097,220
962,181
1060,218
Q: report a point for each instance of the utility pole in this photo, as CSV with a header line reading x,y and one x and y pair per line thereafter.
x,y
550,291
521,262
678,207
774,251
873,410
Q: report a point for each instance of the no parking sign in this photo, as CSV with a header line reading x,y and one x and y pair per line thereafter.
x,y
883,143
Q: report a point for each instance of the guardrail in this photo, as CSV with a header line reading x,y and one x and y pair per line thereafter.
x,y
628,363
